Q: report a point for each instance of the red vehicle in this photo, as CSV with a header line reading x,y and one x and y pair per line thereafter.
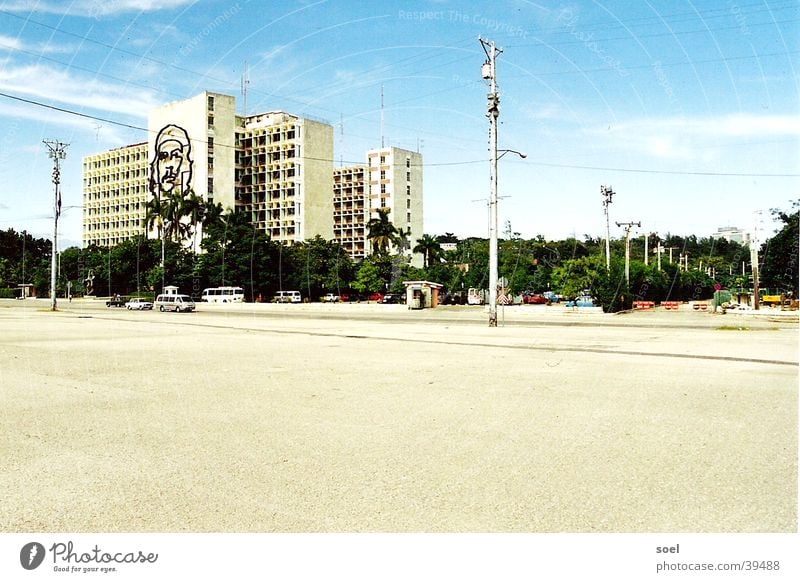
x,y
535,299
376,297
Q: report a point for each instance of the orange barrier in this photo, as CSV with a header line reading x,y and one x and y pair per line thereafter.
x,y
671,305
644,305
700,306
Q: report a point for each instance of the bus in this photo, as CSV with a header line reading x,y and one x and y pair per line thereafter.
x,y
223,295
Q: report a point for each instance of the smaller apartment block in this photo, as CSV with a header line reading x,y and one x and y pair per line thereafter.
x,y
284,175
395,182
350,210
115,193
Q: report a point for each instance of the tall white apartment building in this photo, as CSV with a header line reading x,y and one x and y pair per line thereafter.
x,y
284,175
395,182
114,195
351,210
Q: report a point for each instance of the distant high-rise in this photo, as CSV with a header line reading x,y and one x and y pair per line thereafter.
x,y
395,182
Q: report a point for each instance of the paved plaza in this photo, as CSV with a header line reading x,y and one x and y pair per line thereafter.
x,y
373,418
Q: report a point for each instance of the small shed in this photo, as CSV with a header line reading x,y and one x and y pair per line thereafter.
x,y
422,294
170,290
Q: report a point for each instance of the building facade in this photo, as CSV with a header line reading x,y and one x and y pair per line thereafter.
x,y
733,234
275,166
395,182
115,194
284,175
351,210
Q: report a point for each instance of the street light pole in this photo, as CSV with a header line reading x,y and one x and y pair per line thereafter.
x,y
606,192
57,151
489,72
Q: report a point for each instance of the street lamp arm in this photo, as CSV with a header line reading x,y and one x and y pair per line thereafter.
x,y
504,152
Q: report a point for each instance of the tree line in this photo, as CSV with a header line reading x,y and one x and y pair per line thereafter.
x,y
231,251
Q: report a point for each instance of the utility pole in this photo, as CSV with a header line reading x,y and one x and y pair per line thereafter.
x,y
754,262
647,236
606,192
628,226
489,72
670,249
660,250
57,151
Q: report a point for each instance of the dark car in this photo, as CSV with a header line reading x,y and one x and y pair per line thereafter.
x,y
392,298
117,301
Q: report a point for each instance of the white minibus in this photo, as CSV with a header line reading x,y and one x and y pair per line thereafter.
x,y
223,295
287,297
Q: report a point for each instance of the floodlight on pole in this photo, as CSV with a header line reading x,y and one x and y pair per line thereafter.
x,y
489,72
56,151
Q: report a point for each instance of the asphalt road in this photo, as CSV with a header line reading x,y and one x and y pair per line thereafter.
x,y
351,418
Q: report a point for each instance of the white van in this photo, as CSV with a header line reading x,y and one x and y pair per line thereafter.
x,y
287,297
173,302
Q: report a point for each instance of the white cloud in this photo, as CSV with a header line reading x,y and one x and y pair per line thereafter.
x,y
734,125
93,8
700,139
42,82
9,43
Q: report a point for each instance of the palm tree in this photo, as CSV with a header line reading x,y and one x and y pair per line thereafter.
x,y
154,217
381,231
429,247
174,214
193,208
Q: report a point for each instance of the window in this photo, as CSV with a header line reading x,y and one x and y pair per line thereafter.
x,y
383,188
408,190
210,103
210,186
383,174
408,162
408,176
210,120
408,204
408,217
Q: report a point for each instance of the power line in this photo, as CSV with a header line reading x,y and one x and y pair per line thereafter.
x,y
440,164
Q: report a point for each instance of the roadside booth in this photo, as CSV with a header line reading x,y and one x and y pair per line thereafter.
x,y
170,290
422,294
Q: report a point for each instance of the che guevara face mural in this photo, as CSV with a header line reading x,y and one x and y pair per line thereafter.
x,y
171,168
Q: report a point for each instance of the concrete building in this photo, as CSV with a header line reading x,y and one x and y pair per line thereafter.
x,y
284,175
276,166
114,195
395,182
732,234
351,210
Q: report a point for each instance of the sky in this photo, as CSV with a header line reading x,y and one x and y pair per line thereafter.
x,y
688,109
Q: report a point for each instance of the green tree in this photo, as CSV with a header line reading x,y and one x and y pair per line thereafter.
x,y
429,247
780,253
381,231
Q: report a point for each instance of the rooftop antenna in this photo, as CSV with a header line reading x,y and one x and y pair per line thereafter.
x,y
341,139
245,83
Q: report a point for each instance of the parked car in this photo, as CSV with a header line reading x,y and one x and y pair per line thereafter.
x,y
535,299
581,301
329,298
287,297
139,303
174,302
344,297
116,301
375,297
392,298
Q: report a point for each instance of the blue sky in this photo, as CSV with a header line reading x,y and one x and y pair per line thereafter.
x,y
688,109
